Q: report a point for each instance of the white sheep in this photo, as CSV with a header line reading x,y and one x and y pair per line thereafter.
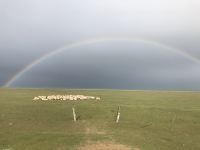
x,y
98,98
36,98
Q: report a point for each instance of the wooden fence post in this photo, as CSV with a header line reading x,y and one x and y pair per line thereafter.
x,y
118,114
74,113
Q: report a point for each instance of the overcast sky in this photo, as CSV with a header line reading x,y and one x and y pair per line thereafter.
x,y
31,28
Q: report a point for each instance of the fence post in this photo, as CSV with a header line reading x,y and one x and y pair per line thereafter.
x,y
74,113
118,114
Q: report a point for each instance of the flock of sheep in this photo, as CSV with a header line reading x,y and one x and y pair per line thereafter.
x,y
65,97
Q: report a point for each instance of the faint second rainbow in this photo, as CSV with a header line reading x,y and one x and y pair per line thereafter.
x,y
97,40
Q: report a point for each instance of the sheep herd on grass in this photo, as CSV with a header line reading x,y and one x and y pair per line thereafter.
x,y
65,97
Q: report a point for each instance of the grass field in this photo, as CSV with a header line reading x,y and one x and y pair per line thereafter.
x,y
150,120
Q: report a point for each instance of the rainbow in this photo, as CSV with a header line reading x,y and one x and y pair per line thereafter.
x,y
97,40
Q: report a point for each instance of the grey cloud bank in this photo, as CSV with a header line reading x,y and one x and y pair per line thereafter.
x,y
114,65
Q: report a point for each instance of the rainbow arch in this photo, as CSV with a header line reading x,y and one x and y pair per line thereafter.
x,y
97,40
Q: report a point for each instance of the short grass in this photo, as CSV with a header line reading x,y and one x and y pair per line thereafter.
x,y
150,120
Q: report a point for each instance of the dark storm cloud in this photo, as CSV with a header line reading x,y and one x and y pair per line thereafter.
x,y
32,28
114,65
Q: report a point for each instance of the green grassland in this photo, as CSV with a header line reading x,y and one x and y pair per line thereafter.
x,y
150,120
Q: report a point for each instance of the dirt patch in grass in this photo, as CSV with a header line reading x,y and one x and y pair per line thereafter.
x,y
93,130
105,146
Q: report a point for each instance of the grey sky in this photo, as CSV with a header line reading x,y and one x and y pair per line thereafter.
x,y
32,28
